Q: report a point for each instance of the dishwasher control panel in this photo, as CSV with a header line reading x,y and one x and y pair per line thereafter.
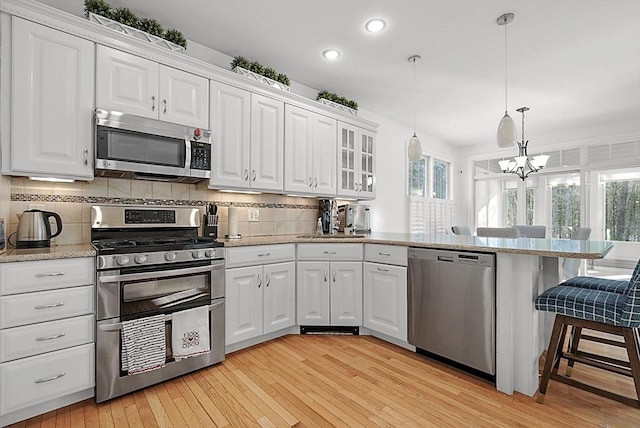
x,y
476,259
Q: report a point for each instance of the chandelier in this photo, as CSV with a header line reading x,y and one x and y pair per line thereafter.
x,y
521,165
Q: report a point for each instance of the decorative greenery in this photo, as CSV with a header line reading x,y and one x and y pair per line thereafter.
x,y
176,37
256,67
337,99
127,17
151,26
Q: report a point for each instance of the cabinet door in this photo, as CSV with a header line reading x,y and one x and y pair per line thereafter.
x,y
184,97
126,83
366,181
385,299
243,300
346,293
313,293
52,102
298,150
347,159
279,296
324,155
267,143
230,110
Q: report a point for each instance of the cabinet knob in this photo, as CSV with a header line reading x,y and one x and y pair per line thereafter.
x,y
165,106
86,157
153,103
253,175
246,174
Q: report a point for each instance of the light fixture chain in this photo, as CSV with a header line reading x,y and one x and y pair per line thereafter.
x,y
523,126
505,67
414,95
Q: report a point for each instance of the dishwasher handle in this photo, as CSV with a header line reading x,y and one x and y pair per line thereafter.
x,y
445,259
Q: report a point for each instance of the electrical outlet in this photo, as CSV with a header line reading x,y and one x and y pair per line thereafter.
x,y
254,214
35,207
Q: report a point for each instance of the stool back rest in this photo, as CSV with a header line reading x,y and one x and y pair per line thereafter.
x,y
532,231
630,315
581,233
461,230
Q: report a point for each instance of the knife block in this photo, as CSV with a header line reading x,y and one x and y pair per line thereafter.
x,y
210,226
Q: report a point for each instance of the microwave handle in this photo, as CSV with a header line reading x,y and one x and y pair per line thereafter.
x,y
187,158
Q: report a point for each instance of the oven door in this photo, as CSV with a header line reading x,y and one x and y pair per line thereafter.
x,y
139,292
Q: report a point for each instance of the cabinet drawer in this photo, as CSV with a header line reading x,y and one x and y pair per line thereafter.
x,y
41,275
33,380
389,254
259,255
20,342
29,308
339,252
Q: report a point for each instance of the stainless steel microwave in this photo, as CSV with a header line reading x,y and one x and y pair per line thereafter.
x,y
129,146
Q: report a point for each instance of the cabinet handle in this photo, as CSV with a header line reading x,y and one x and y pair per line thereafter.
x,y
165,106
315,182
44,275
325,275
383,254
268,278
383,270
253,175
49,379
264,255
310,182
246,174
56,336
54,305
334,276
86,157
329,252
259,280
153,103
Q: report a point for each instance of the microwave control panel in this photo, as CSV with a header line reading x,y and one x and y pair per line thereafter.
x,y
200,156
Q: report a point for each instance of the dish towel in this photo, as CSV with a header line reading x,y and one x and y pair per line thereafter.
x,y
143,344
190,333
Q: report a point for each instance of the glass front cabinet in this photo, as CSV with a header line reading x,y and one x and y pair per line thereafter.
x,y
356,160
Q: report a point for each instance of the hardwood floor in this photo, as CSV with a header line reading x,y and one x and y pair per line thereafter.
x,y
322,381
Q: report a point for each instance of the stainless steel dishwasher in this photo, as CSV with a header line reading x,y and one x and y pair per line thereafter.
x,y
452,307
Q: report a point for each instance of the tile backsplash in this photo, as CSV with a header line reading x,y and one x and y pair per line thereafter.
x,y
278,214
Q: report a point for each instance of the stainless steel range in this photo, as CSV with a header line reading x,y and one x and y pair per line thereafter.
x,y
151,261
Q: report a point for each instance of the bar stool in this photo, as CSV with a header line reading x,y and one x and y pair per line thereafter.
x,y
460,230
597,304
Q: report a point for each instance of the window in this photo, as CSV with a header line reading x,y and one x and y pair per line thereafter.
x,y
622,207
565,206
418,177
531,200
511,203
440,180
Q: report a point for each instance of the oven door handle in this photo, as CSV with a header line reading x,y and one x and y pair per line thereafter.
x,y
159,274
118,325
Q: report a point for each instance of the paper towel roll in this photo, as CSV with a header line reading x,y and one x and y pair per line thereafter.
x,y
233,221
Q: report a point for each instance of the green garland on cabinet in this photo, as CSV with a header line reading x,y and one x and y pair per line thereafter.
x,y
256,67
337,99
125,16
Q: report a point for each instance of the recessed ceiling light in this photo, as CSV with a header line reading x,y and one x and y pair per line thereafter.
x,y
375,25
331,54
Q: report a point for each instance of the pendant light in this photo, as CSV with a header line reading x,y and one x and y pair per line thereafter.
x,y
415,149
506,128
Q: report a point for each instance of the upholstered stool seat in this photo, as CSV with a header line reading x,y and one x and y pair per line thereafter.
x,y
605,305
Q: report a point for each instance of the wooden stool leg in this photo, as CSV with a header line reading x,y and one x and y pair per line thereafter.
x,y
552,353
631,342
576,332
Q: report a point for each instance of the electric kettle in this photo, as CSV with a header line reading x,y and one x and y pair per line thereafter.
x,y
34,230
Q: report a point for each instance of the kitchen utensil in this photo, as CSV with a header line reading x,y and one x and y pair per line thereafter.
x,y
34,230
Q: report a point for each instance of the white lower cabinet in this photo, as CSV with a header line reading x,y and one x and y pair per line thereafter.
x,y
47,354
329,289
259,299
385,290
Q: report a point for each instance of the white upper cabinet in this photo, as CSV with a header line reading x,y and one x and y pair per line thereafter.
x,y
248,140
52,102
310,152
135,85
356,159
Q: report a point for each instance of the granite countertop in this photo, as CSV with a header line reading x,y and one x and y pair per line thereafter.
x,y
51,253
532,246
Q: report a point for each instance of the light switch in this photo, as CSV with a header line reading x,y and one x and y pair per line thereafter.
x,y
254,214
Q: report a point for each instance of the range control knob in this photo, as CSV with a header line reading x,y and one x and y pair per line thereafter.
x,y
210,253
170,256
196,254
122,260
140,258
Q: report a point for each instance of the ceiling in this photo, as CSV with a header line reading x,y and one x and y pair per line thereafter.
x,y
574,63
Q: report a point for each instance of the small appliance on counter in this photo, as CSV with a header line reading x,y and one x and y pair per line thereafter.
x,y
328,216
3,237
353,218
210,222
34,230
